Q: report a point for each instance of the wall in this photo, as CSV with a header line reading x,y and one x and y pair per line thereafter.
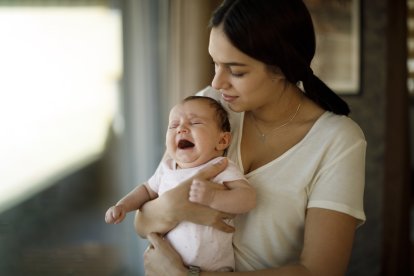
x,y
368,109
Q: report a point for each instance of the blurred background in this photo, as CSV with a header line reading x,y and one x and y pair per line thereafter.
x,y
86,86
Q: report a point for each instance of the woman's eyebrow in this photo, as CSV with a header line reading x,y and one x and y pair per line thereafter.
x,y
231,63
234,64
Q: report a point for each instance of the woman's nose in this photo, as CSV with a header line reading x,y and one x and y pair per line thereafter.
x,y
219,80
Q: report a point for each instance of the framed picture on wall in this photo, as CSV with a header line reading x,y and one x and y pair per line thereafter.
x,y
338,51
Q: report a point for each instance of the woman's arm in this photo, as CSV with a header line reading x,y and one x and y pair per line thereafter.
x,y
238,198
327,248
164,213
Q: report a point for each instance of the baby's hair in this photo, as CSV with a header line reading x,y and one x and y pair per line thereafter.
x,y
222,115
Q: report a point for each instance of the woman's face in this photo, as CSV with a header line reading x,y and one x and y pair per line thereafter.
x,y
245,83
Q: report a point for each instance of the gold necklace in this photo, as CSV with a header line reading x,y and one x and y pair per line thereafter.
x,y
263,135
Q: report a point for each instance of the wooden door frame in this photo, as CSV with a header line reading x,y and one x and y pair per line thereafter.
x,y
396,193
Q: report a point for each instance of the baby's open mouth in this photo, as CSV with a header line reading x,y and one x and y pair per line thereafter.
x,y
185,144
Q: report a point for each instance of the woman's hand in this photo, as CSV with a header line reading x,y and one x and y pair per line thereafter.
x,y
161,259
164,213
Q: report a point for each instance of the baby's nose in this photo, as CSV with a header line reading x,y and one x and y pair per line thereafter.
x,y
182,129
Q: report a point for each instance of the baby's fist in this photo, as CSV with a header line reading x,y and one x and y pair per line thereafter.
x,y
202,193
115,214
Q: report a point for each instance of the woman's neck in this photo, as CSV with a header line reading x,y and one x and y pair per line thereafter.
x,y
279,110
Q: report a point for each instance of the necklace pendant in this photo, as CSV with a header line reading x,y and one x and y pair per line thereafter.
x,y
263,138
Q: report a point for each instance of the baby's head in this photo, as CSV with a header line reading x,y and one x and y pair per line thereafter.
x,y
198,131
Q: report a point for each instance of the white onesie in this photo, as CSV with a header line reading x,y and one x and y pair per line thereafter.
x,y
198,245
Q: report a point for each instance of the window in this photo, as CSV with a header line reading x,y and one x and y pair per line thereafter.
x,y
60,68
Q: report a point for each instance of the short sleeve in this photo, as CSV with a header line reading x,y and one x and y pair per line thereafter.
x,y
155,180
340,183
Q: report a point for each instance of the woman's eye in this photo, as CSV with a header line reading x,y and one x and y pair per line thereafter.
x,y
237,75
196,123
172,126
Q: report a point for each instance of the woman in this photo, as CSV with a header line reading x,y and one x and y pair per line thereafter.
x,y
298,148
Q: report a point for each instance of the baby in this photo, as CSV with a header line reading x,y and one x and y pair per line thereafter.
x,y
198,134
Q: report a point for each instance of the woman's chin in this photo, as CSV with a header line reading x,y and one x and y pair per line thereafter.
x,y
234,108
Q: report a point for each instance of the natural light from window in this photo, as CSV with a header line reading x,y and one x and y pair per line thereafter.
x,y
59,70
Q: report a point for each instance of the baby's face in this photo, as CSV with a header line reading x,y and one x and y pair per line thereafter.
x,y
193,136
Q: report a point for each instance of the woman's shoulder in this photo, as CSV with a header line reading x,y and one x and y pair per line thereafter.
x,y
339,127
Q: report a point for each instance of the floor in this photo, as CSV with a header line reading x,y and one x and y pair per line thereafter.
x,y
82,259
70,246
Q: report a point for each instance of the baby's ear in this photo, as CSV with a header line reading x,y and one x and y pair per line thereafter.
x,y
224,141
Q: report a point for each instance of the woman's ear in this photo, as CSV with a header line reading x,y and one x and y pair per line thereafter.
x,y
275,73
224,141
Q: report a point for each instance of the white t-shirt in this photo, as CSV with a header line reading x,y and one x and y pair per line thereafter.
x,y
198,245
326,169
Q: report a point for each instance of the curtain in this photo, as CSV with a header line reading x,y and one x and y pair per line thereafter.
x,y
190,66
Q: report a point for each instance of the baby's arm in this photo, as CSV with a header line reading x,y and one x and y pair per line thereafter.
x,y
131,202
238,198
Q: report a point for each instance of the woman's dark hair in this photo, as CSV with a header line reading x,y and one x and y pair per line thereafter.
x,y
222,116
280,34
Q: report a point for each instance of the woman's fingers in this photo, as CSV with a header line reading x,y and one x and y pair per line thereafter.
x,y
155,240
160,258
173,207
203,215
174,197
212,170
222,226
203,175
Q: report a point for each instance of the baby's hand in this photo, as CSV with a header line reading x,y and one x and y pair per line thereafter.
x,y
115,214
202,192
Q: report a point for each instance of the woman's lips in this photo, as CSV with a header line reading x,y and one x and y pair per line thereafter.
x,y
228,98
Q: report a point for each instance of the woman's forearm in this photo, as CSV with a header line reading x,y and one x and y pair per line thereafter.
x,y
165,212
156,216
152,218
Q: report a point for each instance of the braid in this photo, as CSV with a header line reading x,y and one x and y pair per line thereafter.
x,y
321,94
